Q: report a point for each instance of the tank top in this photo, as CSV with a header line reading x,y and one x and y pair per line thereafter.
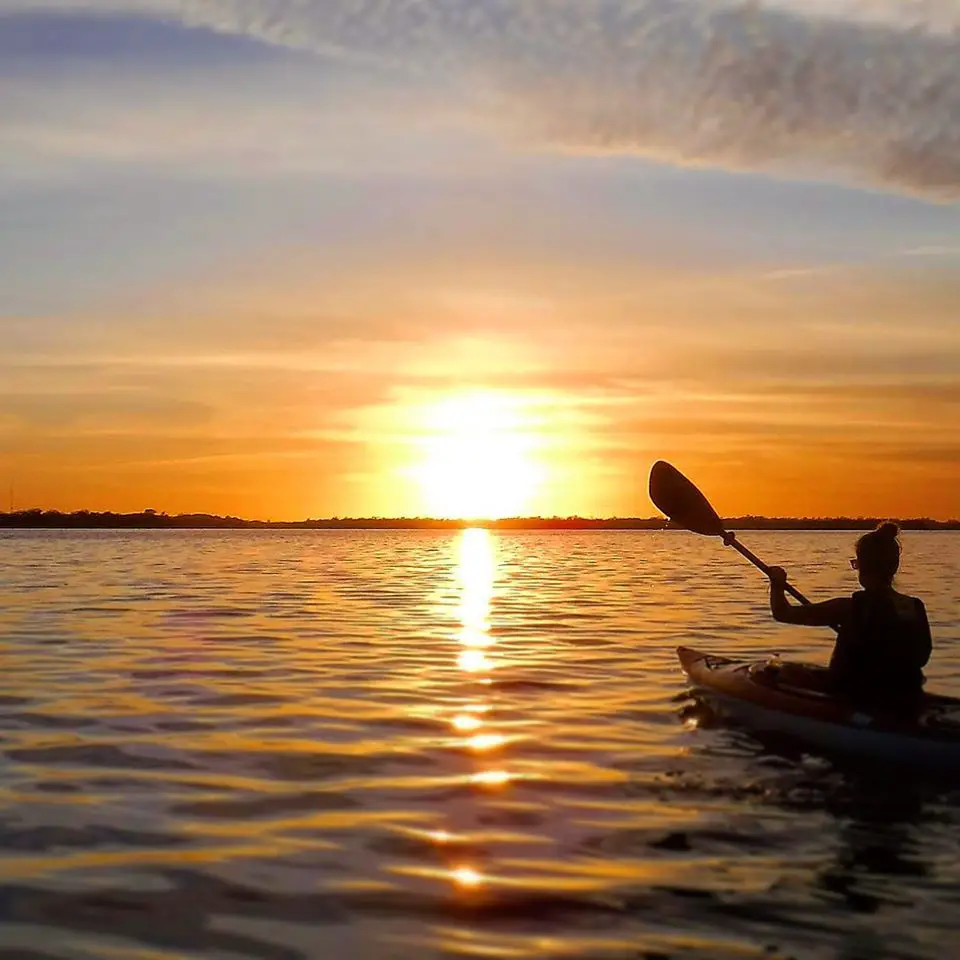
x,y
882,649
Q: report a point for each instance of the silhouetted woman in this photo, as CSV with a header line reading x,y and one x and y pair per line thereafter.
x,y
884,636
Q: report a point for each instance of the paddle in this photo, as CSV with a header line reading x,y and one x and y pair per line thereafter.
x,y
686,506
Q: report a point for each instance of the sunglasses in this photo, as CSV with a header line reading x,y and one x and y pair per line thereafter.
x,y
854,563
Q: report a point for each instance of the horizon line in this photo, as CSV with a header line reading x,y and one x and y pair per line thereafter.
x,y
152,519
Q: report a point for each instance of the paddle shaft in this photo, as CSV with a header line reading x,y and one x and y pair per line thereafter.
x,y
687,507
732,541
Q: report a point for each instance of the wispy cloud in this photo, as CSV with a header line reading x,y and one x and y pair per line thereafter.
x,y
870,89
935,16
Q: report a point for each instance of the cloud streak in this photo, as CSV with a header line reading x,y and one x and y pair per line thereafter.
x,y
869,89
747,85
866,89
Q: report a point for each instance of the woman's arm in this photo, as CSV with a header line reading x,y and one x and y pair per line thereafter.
x,y
830,613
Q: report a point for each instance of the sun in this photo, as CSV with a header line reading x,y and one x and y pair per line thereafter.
x,y
478,457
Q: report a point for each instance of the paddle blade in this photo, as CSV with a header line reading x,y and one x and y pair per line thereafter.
x,y
682,502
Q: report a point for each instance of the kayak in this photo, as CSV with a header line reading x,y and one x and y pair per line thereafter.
x,y
792,699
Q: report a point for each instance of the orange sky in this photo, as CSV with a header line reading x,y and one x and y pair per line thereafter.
x,y
474,400
482,270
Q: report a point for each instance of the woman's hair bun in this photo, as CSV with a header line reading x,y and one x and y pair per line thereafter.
x,y
878,552
888,530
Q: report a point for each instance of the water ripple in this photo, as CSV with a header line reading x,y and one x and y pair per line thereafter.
x,y
390,745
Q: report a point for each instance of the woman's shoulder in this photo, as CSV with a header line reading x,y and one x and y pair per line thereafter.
x,y
903,604
907,606
841,606
904,597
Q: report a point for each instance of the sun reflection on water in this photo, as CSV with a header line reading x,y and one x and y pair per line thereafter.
x,y
474,661
476,572
467,877
486,741
465,722
492,778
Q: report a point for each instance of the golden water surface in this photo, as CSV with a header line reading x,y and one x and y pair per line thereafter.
x,y
259,744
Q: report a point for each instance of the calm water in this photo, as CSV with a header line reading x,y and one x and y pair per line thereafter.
x,y
420,745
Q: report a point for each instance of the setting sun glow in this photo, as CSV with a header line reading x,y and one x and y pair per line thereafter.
x,y
478,457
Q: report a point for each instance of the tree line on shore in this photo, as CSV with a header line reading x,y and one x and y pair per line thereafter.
x,y
154,520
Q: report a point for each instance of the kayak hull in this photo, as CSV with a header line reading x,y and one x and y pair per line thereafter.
x,y
791,700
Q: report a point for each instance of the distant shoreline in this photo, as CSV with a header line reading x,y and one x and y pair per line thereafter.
x,y
150,520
